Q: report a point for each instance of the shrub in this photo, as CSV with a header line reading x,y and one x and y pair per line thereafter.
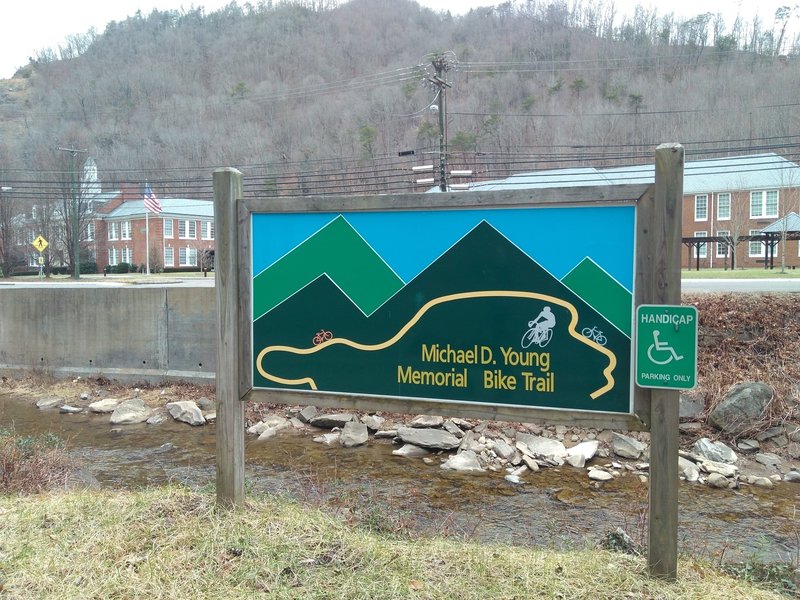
x,y
31,463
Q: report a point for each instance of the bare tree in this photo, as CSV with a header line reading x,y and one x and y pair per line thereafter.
x,y
7,214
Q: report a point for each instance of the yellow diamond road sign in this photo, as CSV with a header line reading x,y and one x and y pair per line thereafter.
x,y
40,243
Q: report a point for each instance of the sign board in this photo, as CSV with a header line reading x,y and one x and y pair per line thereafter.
x,y
666,346
40,243
478,306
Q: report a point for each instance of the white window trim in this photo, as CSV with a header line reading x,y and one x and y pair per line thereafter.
x,y
171,261
187,251
721,245
171,229
189,224
113,228
696,200
125,230
701,251
730,206
763,204
206,230
750,246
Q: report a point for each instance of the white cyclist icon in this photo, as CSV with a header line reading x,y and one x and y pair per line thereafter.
x,y
663,350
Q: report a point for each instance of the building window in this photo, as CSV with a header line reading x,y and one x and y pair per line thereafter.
x,y
701,207
764,204
127,255
722,247
207,230
169,257
125,228
187,230
88,231
756,248
701,250
113,231
724,206
168,228
113,256
33,211
187,257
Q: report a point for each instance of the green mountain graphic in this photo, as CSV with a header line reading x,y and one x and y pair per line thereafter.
x,y
338,251
589,281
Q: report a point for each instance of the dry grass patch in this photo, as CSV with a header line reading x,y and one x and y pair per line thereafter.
x,y
174,543
750,337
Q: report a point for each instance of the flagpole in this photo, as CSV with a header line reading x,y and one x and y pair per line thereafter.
x,y
147,238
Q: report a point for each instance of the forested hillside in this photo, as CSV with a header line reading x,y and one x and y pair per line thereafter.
x,y
320,96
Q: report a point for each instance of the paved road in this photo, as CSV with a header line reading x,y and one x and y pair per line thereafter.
x,y
697,286
111,281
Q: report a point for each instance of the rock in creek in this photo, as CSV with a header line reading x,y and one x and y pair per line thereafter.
x,y
716,480
106,405
424,421
307,414
586,450
716,451
428,438
130,412
768,459
688,469
331,421
410,451
186,411
627,447
537,446
354,433
466,461
710,466
373,422
329,439
49,402
600,475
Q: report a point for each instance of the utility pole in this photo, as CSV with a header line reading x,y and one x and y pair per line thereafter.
x,y
76,254
441,66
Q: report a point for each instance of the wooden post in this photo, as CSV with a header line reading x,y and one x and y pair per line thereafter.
x,y
230,408
664,283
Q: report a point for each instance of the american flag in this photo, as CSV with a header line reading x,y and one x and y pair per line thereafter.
x,y
150,200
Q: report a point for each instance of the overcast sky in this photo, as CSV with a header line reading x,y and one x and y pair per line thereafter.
x,y
27,26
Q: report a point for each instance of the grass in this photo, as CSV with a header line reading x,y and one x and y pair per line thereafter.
x,y
174,543
30,464
740,273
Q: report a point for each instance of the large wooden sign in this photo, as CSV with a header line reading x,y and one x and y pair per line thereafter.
x,y
519,307
505,305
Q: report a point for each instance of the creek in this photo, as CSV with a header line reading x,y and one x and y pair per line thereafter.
x,y
556,508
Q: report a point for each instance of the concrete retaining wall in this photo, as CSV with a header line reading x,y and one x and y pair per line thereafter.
x,y
135,333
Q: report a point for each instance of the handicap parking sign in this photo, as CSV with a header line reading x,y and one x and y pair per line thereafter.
x,y
666,346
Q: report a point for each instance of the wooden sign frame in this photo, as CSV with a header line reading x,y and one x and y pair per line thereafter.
x,y
656,281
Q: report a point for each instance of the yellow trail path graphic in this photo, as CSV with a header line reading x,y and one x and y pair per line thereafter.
x,y
571,328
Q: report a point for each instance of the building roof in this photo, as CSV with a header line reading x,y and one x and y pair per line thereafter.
x,y
750,172
171,207
790,222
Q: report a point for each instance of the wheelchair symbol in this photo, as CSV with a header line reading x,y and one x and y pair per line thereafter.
x,y
667,352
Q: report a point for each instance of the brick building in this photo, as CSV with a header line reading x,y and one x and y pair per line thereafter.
x,y
121,228
723,197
